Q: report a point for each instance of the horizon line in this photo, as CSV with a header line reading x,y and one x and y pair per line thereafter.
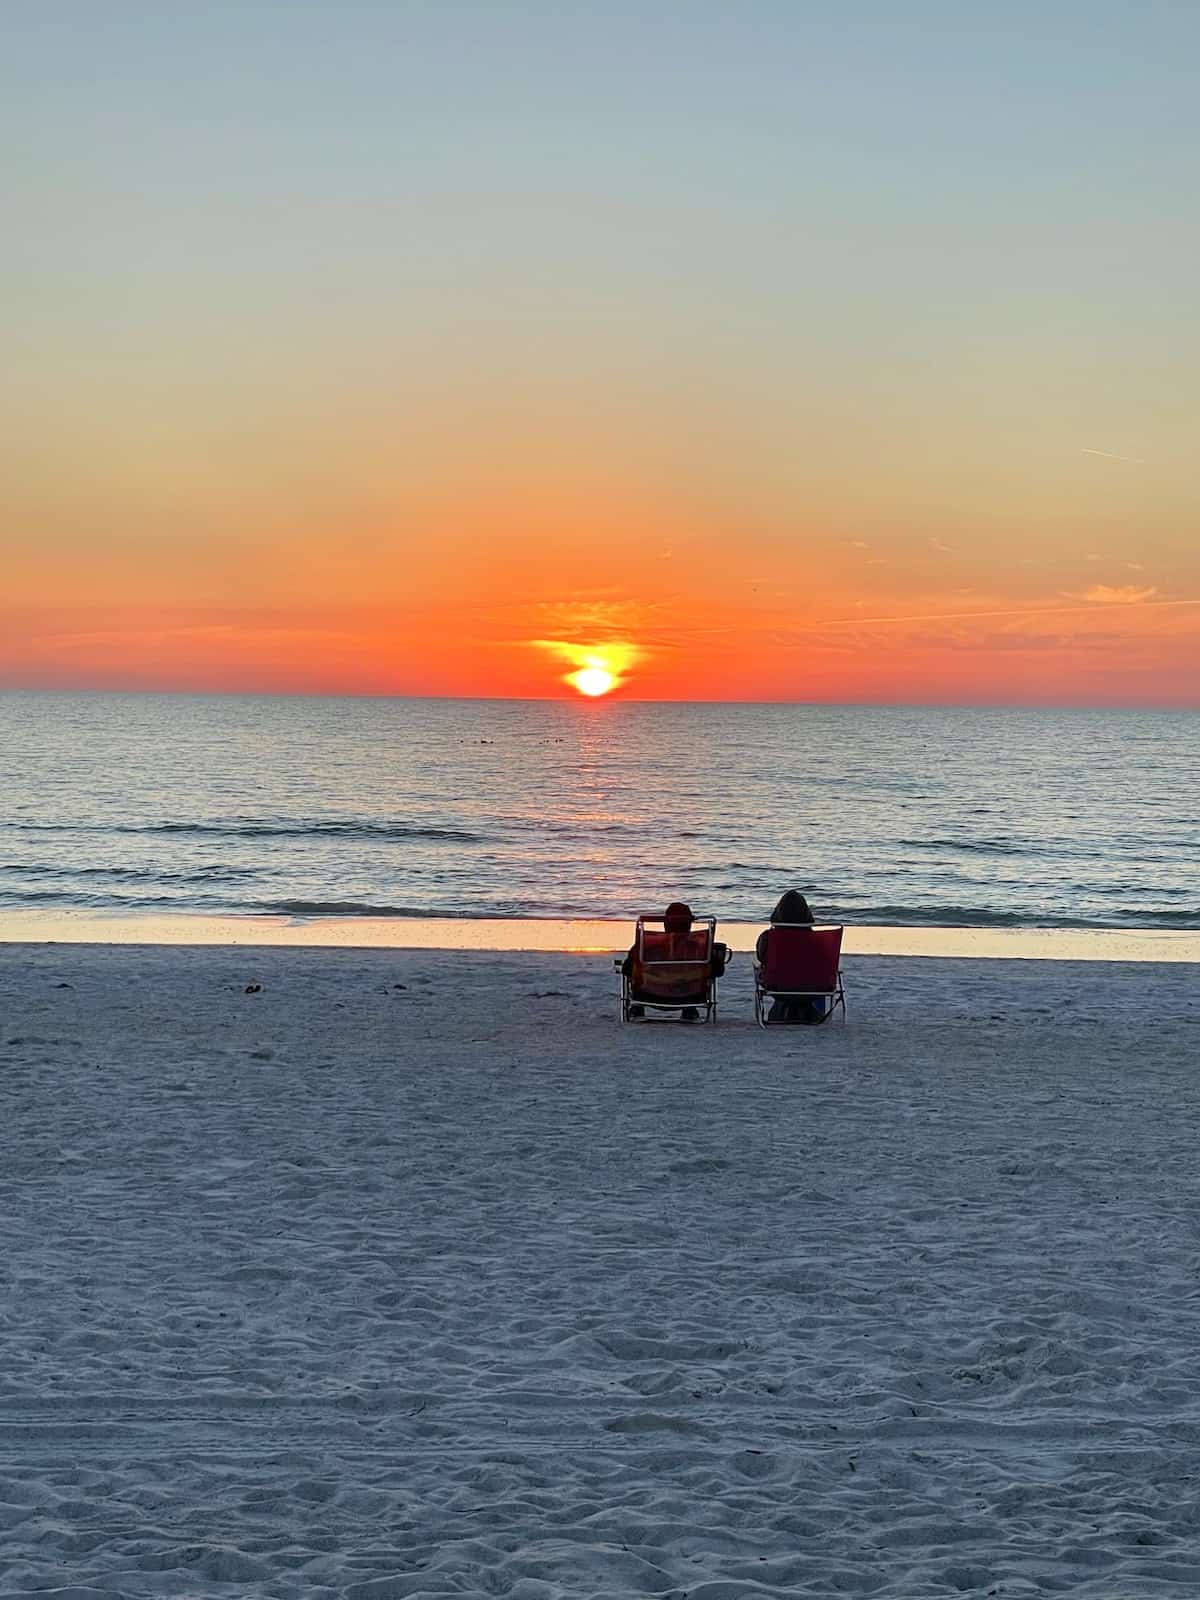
x,y
593,705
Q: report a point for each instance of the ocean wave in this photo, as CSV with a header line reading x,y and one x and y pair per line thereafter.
x,y
214,874
83,900
251,828
1185,919
498,912
1180,919
350,908
972,847
892,916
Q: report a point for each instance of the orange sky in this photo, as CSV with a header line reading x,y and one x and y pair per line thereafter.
x,y
356,566
816,375
502,590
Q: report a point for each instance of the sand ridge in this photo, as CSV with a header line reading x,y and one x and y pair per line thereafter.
x,y
411,1274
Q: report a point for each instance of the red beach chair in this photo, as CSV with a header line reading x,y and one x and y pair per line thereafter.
x,y
670,971
800,963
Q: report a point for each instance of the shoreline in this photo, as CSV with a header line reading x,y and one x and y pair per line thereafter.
x,y
595,936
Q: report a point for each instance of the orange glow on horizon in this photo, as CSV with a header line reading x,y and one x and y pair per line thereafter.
x,y
643,594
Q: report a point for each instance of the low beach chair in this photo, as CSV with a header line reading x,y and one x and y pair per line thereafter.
x,y
670,972
799,963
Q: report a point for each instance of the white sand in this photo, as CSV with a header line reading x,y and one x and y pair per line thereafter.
x,y
344,1288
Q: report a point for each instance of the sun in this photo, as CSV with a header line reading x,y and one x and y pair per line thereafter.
x,y
597,667
592,680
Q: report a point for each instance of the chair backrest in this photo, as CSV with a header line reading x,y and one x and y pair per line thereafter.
x,y
802,958
673,965
662,946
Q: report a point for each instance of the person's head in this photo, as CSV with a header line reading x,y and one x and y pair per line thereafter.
x,y
792,907
677,918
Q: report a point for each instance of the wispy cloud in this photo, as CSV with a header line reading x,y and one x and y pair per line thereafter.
x,y
1115,594
593,616
222,633
1009,611
614,655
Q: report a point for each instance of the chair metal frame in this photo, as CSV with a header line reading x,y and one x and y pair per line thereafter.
x,y
631,997
835,996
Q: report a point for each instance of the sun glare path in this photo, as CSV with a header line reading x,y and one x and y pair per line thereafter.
x,y
592,681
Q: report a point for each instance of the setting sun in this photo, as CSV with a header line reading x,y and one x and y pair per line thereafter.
x,y
592,680
596,668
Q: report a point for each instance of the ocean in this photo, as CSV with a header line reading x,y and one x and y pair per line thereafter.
x,y
307,807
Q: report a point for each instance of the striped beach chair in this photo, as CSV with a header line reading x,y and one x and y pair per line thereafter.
x,y
670,969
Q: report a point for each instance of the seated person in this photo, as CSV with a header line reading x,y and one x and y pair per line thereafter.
x,y
679,943
793,911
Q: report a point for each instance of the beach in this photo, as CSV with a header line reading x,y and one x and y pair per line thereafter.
x,y
486,483
399,1273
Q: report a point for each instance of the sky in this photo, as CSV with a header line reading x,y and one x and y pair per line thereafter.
x,y
770,351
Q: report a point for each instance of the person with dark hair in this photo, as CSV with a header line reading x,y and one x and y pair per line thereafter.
x,y
792,911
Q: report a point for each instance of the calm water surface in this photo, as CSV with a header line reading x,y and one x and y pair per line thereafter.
x,y
318,807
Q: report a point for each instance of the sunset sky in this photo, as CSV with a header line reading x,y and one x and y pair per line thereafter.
x,y
767,351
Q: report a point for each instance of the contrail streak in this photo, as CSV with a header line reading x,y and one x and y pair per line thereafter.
x,y
1111,455
1096,607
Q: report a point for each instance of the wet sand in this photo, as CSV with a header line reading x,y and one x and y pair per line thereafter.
x,y
512,934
